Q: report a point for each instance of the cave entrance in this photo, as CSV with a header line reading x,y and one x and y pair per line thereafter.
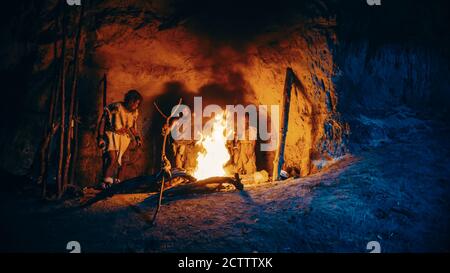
x,y
227,145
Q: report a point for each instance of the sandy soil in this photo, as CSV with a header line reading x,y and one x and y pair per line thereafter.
x,y
396,194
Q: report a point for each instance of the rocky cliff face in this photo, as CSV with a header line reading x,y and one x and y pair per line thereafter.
x,y
168,53
389,81
126,42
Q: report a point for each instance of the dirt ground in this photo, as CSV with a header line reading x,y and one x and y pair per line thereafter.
x,y
396,194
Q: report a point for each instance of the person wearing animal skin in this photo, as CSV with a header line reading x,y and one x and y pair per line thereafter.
x,y
117,128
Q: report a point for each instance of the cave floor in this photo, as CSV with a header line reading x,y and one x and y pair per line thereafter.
x,y
396,194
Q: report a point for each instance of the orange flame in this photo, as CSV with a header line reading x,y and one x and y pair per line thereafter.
x,y
214,154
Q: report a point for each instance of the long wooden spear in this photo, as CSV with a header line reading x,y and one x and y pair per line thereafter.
x,y
73,99
50,128
75,144
59,183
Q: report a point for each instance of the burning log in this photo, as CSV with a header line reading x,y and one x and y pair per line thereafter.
x,y
235,181
147,183
202,186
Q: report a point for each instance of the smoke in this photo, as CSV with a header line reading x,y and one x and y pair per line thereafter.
x,y
237,23
234,90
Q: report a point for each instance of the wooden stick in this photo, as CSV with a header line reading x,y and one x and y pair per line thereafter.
x,y
159,110
75,145
45,148
44,159
279,156
44,153
63,109
105,84
158,207
100,120
53,91
71,125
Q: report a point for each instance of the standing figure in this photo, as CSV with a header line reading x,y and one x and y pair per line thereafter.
x,y
117,128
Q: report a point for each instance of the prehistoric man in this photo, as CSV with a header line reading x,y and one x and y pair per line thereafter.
x,y
117,128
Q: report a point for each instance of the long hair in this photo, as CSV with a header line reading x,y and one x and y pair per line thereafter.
x,y
132,96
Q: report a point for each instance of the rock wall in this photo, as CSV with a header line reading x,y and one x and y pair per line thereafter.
x,y
391,80
392,76
125,41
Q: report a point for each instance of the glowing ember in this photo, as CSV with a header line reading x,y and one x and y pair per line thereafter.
x,y
214,154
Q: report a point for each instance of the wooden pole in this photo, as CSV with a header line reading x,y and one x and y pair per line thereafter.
x,y
279,155
59,182
54,90
44,156
45,148
73,96
75,144
53,109
105,84
104,96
